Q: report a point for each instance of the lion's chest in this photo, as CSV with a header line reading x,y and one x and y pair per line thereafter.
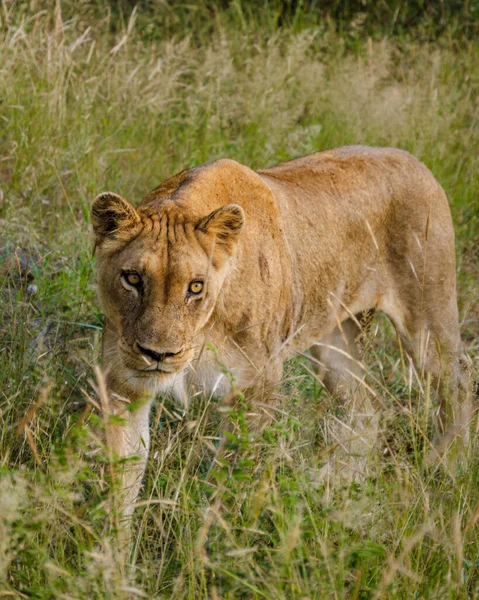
x,y
212,375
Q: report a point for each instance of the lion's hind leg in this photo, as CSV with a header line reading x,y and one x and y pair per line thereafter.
x,y
428,328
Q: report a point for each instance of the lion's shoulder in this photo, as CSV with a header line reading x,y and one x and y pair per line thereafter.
x,y
207,187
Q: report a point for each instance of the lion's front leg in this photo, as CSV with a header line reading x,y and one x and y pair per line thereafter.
x,y
126,404
257,393
128,437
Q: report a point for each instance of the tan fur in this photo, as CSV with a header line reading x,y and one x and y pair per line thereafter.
x,y
290,255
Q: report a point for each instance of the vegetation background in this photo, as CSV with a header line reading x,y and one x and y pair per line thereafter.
x,y
97,96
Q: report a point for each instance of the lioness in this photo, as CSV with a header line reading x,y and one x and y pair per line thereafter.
x,y
266,263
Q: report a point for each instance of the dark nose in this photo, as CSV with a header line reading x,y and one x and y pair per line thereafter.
x,y
157,356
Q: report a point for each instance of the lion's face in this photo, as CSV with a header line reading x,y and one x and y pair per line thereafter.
x,y
160,273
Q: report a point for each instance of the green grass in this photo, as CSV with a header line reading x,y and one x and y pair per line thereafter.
x,y
85,110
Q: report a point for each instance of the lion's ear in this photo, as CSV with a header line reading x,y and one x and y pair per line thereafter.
x,y
226,223
111,215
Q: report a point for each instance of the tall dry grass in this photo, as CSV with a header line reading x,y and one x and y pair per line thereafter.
x,y
83,110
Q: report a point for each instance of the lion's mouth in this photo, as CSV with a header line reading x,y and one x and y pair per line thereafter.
x,y
148,367
168,366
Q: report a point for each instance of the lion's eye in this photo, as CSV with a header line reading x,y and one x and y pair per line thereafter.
x,y
132,278
196,287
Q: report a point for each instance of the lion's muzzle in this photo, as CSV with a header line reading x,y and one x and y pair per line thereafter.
x,y
155,355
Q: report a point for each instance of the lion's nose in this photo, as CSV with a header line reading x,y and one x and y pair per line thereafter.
x,y
157,356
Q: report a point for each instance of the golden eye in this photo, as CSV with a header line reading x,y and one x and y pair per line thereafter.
x,y
132,278
196,287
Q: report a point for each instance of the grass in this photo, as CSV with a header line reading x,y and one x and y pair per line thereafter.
x,y
83,110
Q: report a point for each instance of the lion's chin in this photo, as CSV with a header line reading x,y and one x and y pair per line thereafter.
x,y
161,370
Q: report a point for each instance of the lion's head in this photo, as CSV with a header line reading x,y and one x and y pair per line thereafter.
x,y
160,271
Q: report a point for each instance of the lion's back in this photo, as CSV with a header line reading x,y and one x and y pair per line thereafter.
x,y
352,183
343,207
348,166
